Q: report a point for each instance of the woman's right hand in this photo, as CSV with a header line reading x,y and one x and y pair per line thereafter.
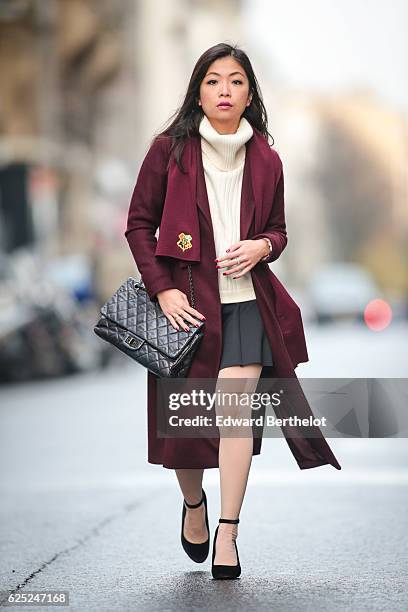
x,y
175,306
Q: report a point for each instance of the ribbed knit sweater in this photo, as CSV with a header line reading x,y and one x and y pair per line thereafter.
x,y
223,162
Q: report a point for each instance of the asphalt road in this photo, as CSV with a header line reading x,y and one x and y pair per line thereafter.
x,y
83,511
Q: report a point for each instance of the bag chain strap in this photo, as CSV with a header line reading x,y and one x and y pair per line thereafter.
x,y
190,279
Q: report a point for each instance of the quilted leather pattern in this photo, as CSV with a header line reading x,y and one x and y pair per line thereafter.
x,y
137,326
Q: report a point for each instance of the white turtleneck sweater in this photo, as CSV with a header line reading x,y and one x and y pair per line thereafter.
x,y
223,162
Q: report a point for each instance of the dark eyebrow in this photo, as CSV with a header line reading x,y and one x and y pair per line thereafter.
x,y
228,75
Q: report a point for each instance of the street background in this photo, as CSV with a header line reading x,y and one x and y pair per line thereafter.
x,y
84,86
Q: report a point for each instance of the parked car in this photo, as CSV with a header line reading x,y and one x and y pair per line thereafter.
x,y
339,291
45,326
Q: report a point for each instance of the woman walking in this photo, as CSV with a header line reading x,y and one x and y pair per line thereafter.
x,y
214,187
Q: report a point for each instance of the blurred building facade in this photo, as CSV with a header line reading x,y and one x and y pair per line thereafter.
x,y
85,84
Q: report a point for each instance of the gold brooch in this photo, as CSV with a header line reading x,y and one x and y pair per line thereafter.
x,y
184,241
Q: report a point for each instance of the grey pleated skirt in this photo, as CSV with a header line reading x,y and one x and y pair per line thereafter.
x,y
244,340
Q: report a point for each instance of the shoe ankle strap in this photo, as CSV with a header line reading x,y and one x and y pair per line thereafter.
x,y
195,505
233,521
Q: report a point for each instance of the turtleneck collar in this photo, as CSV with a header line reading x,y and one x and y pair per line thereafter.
x,y
225,151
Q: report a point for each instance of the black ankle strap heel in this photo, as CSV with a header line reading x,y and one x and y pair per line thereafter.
x,y
225,572
196,552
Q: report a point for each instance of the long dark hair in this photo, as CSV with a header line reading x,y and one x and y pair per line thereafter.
x,y
188,117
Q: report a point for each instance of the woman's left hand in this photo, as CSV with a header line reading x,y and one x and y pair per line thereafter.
x,y
249,252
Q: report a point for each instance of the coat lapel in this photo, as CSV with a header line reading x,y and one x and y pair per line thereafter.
x,y
248,203
257,156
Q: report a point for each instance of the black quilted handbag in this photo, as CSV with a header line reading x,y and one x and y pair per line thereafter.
x,y
136,325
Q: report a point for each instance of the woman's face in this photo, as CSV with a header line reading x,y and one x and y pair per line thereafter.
x,y
225,81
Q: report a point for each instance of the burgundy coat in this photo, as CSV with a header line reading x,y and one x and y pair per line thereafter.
x,y
177,203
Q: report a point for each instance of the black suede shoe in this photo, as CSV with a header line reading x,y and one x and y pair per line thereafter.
x,y
196,552
225,572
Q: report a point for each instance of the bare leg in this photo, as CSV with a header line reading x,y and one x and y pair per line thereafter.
x,y
235,457
190,481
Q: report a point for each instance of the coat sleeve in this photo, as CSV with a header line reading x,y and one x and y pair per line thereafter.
x,y
276,226
145,212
